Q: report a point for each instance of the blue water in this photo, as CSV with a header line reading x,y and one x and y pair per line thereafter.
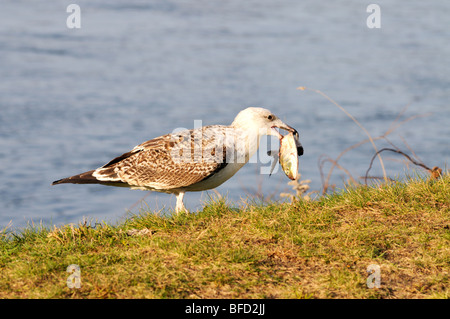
x,y
72,99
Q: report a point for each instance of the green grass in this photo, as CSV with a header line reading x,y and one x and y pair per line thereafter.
x,y
317,249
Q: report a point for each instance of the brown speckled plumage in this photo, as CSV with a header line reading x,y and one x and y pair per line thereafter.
x,y
164,163
168,162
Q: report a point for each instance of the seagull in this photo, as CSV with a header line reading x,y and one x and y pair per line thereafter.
x,y
190,160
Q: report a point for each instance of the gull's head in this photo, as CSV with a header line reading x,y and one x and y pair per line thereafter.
x,y
261,121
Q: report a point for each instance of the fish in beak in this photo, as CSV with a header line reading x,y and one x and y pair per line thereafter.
x,y
290,150
288,156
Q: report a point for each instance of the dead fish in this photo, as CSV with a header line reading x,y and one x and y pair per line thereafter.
x,y
288,156
290,150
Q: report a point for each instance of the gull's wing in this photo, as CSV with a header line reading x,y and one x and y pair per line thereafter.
x,y
170,161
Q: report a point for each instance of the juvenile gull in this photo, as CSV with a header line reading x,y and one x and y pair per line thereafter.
x,y
190,160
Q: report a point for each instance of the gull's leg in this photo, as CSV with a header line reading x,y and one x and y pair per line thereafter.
x,y
180,205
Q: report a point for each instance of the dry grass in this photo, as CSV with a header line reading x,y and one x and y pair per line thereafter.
x,y
314,249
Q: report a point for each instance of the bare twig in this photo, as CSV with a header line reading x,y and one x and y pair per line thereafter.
x,y
435,171
325,183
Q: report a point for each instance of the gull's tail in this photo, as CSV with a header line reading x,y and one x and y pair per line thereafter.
x,y
83,178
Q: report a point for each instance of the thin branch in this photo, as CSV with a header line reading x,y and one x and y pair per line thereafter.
x,y
335,164
399,152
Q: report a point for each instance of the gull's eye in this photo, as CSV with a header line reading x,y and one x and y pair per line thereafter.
x,y
270,117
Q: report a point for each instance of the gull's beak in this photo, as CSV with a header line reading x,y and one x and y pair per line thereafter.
x,y
288,128
279,124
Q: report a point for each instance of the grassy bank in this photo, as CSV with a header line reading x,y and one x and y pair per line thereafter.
x,y
318,249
